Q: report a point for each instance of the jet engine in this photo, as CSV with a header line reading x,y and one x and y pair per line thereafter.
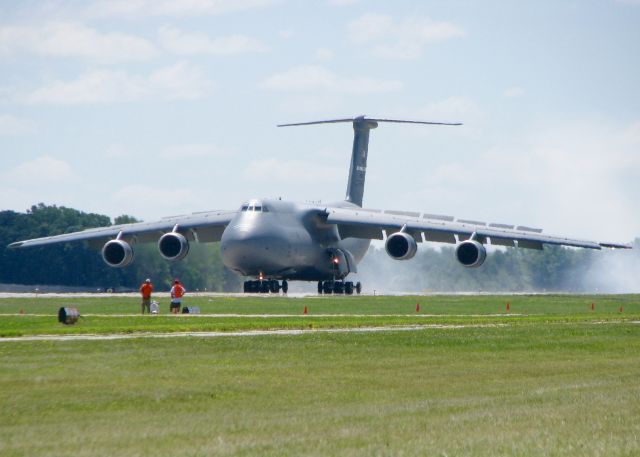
x,y
471,253
117,253
173,246
401,246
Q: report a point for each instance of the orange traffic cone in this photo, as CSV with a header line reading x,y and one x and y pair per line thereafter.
x,y
305,310
417,307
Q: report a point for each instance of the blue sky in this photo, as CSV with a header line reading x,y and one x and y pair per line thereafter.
x,y
160,108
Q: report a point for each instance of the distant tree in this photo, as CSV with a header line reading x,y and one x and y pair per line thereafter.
x,y
75,264
124,219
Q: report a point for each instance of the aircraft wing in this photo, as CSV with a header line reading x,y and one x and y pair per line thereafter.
x,y
205,227
367,223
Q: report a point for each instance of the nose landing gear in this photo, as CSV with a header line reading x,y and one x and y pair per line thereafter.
x,y
339,287
265,286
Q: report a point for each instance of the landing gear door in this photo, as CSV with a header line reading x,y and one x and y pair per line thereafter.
x,y
351,261
342,262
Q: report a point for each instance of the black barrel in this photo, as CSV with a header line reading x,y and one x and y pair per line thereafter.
x,y
68,316
190,310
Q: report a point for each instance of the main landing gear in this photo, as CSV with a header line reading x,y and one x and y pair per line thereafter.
x,y
265,286
339,287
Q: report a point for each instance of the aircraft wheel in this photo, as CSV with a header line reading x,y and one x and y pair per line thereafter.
x,y
348,288
338,287
358,287
245,287
285,286
328,287
274,286
320,288
263,287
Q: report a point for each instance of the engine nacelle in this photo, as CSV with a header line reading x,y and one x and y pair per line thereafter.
x,y
117,253
173,246
471,253
401,246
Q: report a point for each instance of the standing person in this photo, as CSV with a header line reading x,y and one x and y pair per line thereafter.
x,y
145,290
177,291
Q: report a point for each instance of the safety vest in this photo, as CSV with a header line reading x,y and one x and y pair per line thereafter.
x,y
146,290
178,291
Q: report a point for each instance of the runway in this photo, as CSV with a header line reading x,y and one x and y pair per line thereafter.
x,y
249,333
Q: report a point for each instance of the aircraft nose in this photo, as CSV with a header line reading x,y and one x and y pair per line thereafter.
x,y
249,253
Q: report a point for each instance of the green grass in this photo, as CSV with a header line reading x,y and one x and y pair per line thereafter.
x,y
556,379
104,314
432,304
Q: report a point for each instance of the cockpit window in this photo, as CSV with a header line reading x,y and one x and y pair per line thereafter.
x,y
254,207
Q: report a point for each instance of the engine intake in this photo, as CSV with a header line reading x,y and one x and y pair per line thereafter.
x,y
117,253
173,246
471,253
401,246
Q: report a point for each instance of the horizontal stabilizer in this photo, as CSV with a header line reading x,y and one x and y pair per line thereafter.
x,y
369,119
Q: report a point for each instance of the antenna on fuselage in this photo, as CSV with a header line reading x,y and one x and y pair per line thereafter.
x,y
361,127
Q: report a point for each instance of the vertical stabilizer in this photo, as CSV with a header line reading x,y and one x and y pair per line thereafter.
x,y
361,127
358,168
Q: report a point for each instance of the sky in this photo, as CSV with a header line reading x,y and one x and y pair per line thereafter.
x,y
157,108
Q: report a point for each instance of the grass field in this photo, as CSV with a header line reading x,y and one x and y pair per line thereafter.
x,y
550,377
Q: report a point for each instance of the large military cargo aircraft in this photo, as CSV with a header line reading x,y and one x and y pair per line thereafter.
x,y
273,241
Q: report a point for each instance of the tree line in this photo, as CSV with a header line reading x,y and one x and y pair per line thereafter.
x,y
432,269
75,264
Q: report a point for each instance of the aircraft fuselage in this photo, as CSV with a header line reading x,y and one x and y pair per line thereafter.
x,y
277,239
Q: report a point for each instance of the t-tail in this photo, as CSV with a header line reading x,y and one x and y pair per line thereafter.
x,y
358,169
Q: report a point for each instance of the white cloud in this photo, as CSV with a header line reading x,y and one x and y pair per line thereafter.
x,y
513,92
144,8
11,125
44,170
400,39
310,104
144,200
292,171
324,54
117,151
193,151
459,109
71,40
314,78
632,133
189,43
574,179
43,179
181,81
177,82
342,2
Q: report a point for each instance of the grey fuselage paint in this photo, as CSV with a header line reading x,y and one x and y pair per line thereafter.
x,y
289,241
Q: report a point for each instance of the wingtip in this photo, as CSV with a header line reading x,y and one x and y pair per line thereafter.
x,y
616,245
15,245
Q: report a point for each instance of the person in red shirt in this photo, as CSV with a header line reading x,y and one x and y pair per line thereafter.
x,y
177,291
145,290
